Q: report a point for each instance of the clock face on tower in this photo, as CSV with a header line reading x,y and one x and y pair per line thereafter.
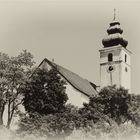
x,y
110,68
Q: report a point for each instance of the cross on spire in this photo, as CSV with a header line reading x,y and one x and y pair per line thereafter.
x,y
114,14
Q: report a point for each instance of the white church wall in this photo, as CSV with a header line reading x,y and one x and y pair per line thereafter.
x,y
75,97
106,76
126,69
126,77
127,53
45,66
110,78
104,54
121,75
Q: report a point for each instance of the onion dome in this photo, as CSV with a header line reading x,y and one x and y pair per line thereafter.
x,y
114,36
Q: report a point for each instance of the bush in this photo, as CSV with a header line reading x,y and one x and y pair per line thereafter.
x,y
51,125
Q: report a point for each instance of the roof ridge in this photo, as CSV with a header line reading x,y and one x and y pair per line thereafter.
x,y
76,81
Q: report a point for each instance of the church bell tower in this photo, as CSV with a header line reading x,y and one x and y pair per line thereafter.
x,y
115,65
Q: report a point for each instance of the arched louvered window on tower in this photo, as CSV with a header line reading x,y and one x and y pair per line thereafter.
x,y
110,57
125,58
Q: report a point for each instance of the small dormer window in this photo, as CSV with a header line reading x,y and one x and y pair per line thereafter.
x,y
125,58
110,57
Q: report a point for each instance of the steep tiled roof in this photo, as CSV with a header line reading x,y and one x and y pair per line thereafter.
x,y
75,80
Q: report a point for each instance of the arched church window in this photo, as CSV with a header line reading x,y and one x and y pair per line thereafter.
x,y
125,58
110,57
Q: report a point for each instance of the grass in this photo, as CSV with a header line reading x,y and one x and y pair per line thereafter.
x,y
122,132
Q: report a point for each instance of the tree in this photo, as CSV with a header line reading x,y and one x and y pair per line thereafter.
x,y
92,113
14,71
116,103
110,104
134,109
45,93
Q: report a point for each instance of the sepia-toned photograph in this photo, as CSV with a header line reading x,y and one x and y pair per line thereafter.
x,y
69,69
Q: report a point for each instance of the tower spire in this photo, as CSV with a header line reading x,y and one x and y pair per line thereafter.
x,y
114,14
114,36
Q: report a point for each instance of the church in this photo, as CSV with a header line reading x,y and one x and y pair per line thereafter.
x,y
115,68
115,64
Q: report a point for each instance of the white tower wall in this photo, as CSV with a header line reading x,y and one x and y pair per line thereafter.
x,y
121,73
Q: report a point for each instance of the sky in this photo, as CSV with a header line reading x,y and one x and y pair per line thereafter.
x,y
69,31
